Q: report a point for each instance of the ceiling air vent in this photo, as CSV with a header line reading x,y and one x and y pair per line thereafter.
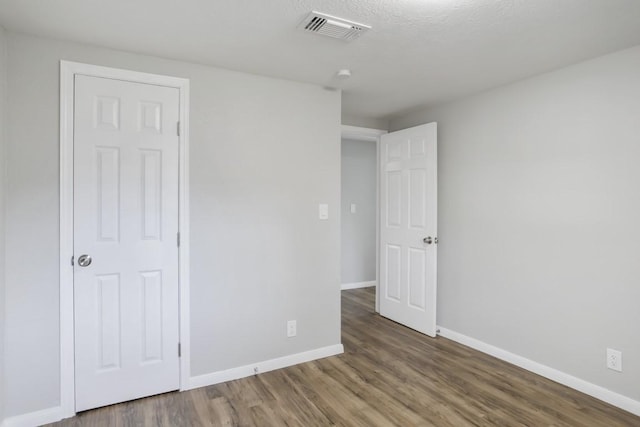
x,y
331,26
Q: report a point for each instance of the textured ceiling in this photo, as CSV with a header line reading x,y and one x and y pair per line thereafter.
x,y
419,52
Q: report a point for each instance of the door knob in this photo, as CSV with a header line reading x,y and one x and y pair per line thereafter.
x,y
428,240
84,260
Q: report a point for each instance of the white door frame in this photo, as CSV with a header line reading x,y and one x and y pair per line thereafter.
x,y
371,135
68,70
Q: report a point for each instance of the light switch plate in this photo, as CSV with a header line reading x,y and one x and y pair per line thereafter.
x,y
353,208
292,328
323,211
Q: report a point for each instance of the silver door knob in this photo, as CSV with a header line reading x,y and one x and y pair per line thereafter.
x,y
84,260
428,240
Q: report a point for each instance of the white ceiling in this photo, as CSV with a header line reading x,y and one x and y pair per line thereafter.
x,y
419,52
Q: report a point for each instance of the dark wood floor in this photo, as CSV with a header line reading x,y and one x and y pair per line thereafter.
x,y
388,376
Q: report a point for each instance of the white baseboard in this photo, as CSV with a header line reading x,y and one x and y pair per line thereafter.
x,y
264,366
357,285
37,418
57,413
606,395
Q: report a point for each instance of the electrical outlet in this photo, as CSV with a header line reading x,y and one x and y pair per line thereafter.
x,y
292,328
614,359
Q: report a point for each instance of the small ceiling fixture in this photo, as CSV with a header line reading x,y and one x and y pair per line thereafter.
x,y
344,73
332,26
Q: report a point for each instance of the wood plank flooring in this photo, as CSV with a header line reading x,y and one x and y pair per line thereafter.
x,y
388,376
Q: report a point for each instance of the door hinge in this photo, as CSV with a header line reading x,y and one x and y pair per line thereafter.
x,y
178,238
178,128
72,259
179,350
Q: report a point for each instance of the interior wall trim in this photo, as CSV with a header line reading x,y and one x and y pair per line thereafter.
x,y
37,418
263,366
593,390
358,285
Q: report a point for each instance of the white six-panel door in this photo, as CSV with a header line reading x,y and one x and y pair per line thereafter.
x,y
408,222
126,220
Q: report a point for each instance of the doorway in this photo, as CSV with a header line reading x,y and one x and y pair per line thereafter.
x,y
358,213
406,223
359,207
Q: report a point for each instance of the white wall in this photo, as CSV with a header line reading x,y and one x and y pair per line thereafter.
x,y
264,153
358,248
539,207
3,126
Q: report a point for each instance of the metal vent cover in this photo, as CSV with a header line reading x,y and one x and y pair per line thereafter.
x,y
332,26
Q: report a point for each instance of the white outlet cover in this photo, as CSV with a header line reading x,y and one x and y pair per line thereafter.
x,y
353,208
614,359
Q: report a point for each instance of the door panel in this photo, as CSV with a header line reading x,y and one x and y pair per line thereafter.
x,y
108,314
393,268
417,278
408,210
151,288
126,219
417,201
108,193
151,194
394,195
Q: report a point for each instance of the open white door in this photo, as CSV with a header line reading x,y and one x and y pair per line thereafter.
x,y
408,227
125,240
